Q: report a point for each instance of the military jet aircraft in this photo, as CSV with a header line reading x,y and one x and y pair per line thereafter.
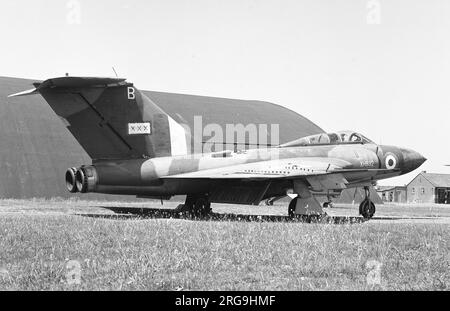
x,y
138,149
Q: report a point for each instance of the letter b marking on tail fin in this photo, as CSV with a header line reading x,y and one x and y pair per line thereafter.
x,y
131,93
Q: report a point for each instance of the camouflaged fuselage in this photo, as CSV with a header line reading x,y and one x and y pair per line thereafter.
x,y
152,177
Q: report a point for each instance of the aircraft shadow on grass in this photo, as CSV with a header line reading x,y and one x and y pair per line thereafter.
x,y
122,213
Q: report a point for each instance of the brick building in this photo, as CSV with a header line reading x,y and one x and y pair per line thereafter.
x,y
394,194
429,188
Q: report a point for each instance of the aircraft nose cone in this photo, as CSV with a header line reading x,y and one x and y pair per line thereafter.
x,y
411,160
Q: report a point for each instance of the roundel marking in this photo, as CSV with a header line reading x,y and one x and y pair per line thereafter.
x,y
390,162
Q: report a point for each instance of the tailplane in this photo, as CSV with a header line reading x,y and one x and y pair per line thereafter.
x,y
111,119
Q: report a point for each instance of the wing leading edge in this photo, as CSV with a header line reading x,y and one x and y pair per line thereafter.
x,y
321,173
271,169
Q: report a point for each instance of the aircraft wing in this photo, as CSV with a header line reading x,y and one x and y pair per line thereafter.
x,y
321,173
286,168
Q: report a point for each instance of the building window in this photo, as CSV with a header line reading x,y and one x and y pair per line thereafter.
x,y
423,190
413,190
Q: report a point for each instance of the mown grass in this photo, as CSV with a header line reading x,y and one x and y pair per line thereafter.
x,y
168,254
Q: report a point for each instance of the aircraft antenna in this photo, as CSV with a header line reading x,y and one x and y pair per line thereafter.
x,y
115,72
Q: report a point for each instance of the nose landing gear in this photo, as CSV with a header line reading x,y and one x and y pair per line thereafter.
x,y
367,208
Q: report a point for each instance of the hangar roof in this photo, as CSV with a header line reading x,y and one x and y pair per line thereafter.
x,y
438,180
182,108
34,140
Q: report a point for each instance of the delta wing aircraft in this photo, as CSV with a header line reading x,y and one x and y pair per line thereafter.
x,y
138,149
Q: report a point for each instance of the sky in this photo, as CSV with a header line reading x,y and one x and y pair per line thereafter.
x,y
378,67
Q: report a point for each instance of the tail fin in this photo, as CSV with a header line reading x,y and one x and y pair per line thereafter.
x,y
111,119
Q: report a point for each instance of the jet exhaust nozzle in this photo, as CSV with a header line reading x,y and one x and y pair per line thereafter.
x,y
86,179
71,180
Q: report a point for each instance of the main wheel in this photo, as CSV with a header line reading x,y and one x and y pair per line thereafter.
x,y
202,207
291,208
367,209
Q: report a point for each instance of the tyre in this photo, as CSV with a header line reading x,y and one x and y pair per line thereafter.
x,y
291,208
367,209
202,207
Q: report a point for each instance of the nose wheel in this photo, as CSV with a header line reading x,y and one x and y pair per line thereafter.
x,y
367,208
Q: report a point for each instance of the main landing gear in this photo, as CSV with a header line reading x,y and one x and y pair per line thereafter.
x,y
291,208
367,208
308,210
196,205
328,203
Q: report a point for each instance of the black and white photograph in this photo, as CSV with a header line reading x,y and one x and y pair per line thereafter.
x,y
223,153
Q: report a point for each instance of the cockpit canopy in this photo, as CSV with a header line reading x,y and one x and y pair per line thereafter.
x,y
342,137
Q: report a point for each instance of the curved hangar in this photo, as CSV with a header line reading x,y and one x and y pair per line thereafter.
x,y
36,148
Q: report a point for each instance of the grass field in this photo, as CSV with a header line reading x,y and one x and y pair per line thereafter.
x,y
42,244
